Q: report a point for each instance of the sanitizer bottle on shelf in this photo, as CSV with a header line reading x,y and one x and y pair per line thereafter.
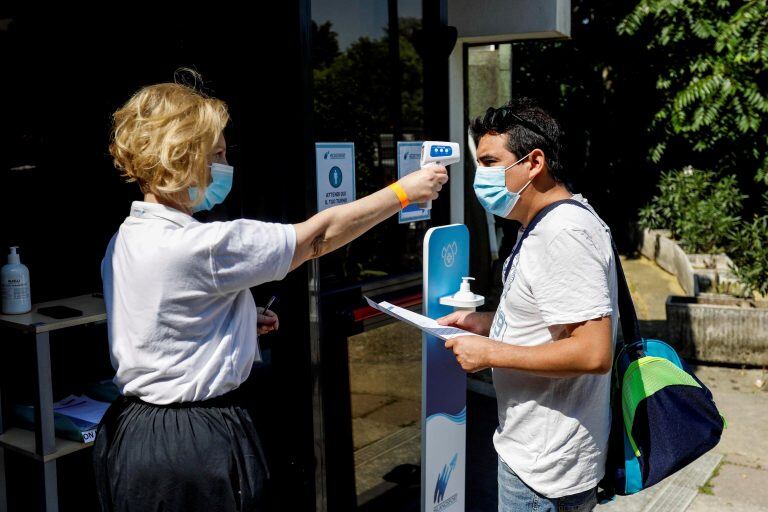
x,y
14,278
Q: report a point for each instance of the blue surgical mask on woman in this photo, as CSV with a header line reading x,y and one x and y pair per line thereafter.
x,y
221,184
491,189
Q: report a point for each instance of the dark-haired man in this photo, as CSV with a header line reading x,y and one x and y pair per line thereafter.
x,y
550,342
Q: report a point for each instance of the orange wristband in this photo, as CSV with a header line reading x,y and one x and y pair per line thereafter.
x,y
397,188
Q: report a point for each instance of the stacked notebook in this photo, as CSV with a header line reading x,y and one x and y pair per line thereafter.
x,y
76,417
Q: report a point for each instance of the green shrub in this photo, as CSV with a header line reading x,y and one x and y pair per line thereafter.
x,y
700,211
749,253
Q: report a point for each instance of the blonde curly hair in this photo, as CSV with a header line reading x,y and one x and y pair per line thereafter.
x,y
161,139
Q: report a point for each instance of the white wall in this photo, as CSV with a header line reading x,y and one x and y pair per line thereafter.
x,y
492,21
486,21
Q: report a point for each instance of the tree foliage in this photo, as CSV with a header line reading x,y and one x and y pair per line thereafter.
x,y
713,78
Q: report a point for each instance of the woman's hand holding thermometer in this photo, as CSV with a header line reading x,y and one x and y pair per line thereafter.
x,y
436,153
420,186
335,227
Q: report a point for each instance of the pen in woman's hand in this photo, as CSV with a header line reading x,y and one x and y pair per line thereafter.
x,y
267,320
269,304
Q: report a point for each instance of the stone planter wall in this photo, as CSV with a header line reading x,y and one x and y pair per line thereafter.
x,y
719,328
657,246
696,273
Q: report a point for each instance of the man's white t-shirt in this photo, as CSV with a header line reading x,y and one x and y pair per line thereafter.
x,y
181,318
553,432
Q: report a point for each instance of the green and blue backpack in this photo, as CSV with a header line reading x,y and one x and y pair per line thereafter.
x,y
663,416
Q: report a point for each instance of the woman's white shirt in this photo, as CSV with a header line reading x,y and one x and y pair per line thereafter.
x,y
181,318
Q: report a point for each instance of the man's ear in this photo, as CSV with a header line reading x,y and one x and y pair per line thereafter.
x,y
538,162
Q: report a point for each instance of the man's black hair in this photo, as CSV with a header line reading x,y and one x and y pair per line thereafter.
x,y
528,127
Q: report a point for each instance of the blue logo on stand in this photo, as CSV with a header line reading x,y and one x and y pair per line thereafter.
x,y
449,254
334,177
442,480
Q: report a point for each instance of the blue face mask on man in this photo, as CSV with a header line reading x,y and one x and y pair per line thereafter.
x,y
491,189
221,184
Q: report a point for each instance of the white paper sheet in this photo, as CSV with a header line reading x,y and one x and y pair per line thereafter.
x,y
422,322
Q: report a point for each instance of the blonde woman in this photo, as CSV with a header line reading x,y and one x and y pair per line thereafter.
x,y
183,326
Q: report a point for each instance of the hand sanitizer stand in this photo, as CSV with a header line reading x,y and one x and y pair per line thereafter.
x,y
444,383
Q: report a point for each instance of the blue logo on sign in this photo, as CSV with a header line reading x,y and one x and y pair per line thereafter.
x,y
325,156
442,480
334,177
438,151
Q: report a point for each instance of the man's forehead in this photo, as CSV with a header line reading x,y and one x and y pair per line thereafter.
x,y
492,144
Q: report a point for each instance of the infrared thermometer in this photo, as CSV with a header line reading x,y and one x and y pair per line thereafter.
x,y
438,153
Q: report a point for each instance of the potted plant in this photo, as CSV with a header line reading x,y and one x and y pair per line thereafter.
x,y
707,245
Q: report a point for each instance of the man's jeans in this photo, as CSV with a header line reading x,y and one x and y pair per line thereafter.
x,y
515,496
